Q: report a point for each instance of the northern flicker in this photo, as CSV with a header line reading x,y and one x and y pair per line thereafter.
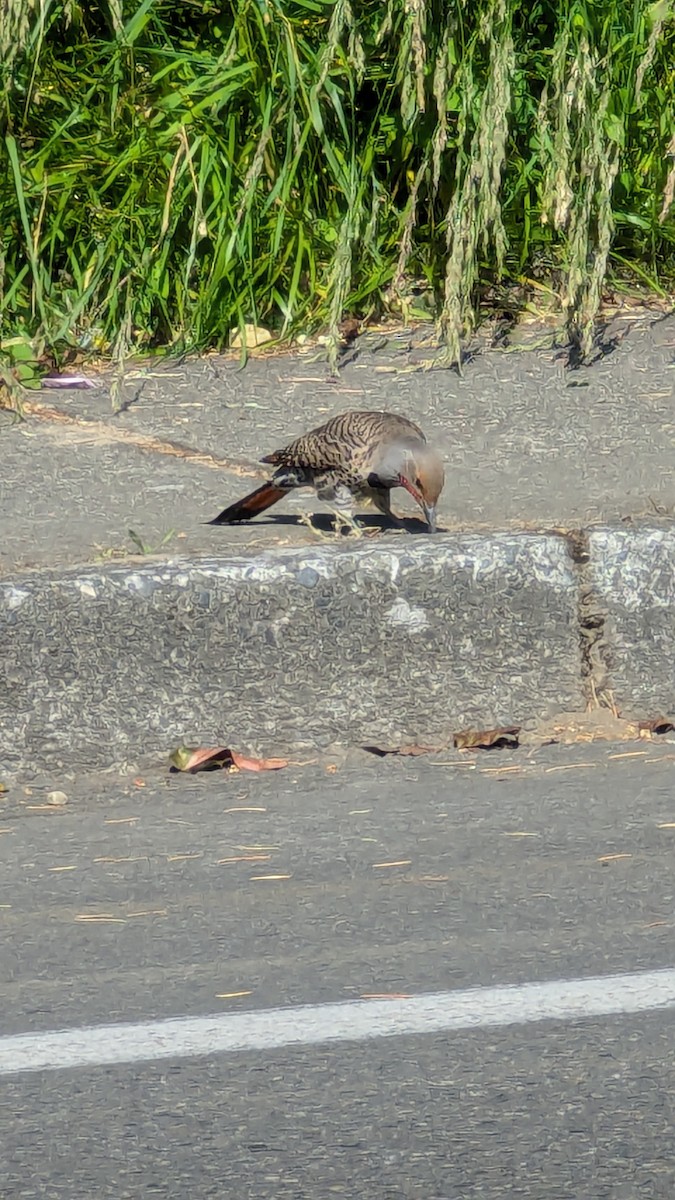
x,y
353,458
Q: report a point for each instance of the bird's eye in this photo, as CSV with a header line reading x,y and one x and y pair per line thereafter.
x,y
418,483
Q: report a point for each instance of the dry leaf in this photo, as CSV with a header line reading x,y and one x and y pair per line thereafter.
x,y
504,738
195,758
657,725
190,759
254,335
410,751
349,329
257,764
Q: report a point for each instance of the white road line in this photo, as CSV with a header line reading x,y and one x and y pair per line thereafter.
x,y
353,1021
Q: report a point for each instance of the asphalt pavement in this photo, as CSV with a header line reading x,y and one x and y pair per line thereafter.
x,y
291,986
526,443
130,623
174,897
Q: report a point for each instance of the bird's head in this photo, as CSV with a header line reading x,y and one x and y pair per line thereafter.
x,y
418,469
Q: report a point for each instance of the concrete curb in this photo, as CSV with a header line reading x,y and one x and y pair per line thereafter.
x,y
403,638
631,575
395,640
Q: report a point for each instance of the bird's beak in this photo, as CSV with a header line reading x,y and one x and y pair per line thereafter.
x,y
430,514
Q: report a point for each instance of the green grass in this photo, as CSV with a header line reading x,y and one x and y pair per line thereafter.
x,y
173,170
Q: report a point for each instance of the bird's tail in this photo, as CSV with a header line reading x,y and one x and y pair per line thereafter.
x,y
256,502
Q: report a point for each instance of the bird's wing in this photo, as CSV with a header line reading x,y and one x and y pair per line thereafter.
x,y
345,440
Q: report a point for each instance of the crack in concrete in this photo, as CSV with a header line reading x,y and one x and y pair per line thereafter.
x,y
591,618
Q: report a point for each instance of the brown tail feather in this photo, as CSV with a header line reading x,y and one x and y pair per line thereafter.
x,y
256,502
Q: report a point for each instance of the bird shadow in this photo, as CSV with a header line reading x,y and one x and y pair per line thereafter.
x,y
323,523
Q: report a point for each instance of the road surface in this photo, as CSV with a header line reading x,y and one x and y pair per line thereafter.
x,y
398,884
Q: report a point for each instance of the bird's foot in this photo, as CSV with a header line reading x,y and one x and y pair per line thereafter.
x,y
344,520
305,519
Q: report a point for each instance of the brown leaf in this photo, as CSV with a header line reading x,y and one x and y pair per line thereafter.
x,y
257,764
349,329
201,758
191,759
503,738
657,725
409,751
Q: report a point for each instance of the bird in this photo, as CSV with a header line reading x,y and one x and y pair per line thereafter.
x,y
354,457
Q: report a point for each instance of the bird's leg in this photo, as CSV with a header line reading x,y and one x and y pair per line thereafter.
x,y
342,505
340,500
346,520
381,498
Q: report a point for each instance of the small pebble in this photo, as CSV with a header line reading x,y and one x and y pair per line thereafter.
x,y
58,799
